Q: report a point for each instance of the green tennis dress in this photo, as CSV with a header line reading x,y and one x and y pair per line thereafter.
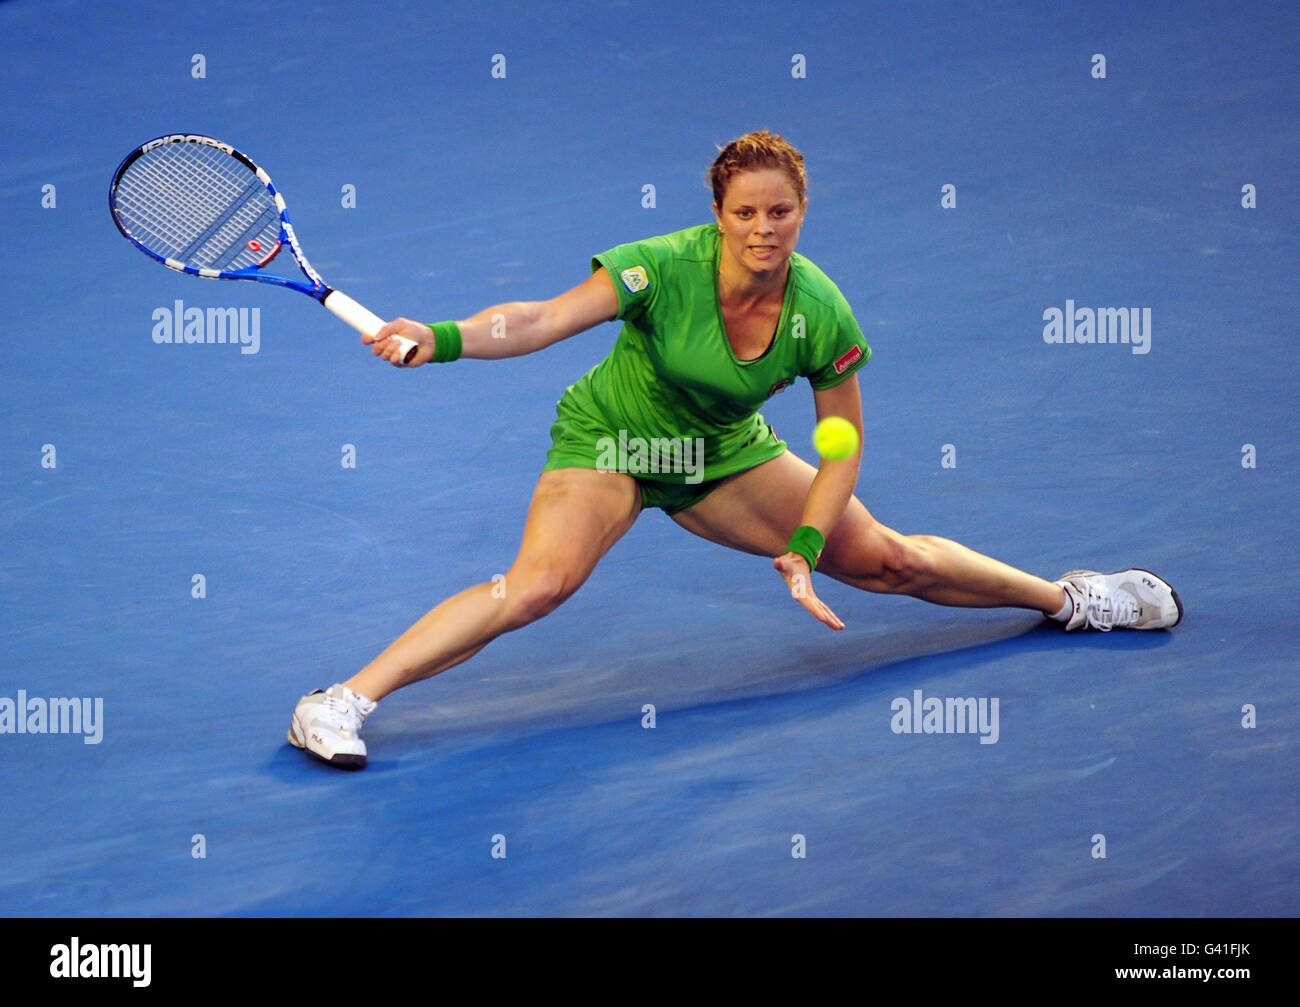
x,y
671,405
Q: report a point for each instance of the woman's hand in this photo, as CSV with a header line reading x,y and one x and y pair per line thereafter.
x,y
794,568
383,345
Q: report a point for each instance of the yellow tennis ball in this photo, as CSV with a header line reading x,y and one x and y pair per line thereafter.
x,y
835,438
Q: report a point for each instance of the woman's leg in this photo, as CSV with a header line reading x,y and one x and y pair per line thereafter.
x,y
757,511
575,517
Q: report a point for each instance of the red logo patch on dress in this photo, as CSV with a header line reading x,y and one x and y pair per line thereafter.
x,y
848,360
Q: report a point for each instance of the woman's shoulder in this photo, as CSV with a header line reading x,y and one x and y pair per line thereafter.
x,y
699,242
814,284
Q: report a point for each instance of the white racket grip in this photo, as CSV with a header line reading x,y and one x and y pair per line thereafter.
x,y
365,321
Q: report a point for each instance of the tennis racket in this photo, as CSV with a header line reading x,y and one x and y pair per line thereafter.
x,y
199,206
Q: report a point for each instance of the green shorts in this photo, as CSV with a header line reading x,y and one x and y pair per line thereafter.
x,y
578,429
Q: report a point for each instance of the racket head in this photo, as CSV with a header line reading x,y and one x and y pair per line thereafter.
x,y
199,206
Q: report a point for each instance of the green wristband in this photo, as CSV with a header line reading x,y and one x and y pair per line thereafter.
x,y
807,542
446,342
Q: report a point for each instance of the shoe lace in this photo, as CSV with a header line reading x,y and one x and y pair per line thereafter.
x,y
342,713
1107,609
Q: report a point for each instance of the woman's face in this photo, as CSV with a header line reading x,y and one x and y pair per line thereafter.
x,y
760,217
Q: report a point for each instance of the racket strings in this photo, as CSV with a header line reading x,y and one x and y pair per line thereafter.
x,y
198,205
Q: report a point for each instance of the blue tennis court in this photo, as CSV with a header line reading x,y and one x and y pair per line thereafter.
x,y
192,536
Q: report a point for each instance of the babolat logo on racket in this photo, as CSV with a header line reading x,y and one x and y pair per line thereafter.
x,y
635,278
187,138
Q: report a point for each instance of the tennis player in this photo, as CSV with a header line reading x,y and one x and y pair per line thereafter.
x,y
716,319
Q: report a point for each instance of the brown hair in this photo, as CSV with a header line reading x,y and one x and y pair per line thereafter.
x,y
759,149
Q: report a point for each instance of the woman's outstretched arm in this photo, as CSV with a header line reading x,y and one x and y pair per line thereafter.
x,y
510,330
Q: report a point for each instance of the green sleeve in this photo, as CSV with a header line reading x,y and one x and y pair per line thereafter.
x,y
635,272
841,350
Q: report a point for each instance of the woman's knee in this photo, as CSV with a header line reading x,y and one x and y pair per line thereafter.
x,y
880,559
915,559
531,592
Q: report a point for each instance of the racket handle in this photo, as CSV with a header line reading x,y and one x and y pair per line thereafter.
x,y
365,321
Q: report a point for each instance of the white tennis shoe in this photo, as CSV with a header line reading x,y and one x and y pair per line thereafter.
x,y
328,725
1125,599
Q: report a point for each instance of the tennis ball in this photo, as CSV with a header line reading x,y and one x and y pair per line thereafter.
x,y
835,438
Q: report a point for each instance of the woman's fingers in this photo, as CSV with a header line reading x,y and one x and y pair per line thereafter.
x,y
794,568
385,344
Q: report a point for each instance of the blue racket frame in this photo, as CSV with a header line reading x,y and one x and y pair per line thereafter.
x,y
345,308
317,288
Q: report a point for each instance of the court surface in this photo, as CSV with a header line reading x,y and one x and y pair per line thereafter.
x,y
171,461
